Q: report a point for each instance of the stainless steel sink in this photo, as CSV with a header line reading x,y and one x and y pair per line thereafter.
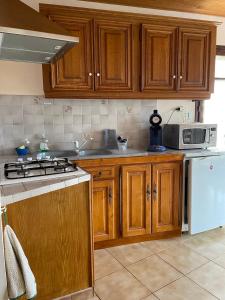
x,y
69,153
61,153
94,152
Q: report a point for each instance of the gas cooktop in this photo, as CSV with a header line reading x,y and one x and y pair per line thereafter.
x,y
37,168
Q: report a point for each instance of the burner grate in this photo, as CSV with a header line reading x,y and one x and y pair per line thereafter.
x,y
38,168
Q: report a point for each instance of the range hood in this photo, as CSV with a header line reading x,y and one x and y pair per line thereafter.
x,y
26,35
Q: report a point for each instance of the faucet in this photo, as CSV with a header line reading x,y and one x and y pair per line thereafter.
x,y
79,144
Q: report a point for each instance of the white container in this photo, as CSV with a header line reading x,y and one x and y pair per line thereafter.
x,y
122,146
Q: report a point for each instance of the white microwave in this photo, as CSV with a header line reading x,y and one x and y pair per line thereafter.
x,y
189,136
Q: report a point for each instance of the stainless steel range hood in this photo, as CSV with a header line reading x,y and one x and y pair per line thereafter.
x,y
26,35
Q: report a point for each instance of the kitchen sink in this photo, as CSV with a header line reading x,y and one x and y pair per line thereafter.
x,y
94,152
82,153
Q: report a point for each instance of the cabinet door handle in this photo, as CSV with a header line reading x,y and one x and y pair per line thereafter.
x,y
174,76
148,192
90,74
98,175
110,196
155,191
98,74
181,77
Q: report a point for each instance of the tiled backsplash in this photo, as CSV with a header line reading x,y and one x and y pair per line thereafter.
x,y
63,121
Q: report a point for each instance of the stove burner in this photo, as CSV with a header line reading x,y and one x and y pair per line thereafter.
x,y
23,172
37,168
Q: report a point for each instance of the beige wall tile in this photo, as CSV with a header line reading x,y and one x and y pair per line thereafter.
x,y
34,114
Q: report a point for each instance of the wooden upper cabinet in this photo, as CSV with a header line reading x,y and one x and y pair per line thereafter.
x,y
195,54
159,57
132,56
113,56
166,197
104,210
136,200
74,71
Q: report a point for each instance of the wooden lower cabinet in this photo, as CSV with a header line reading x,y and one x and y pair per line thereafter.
x,y
55,232
136,200
166,181
104,210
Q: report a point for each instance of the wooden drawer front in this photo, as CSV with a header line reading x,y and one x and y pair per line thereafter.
x,y
101,173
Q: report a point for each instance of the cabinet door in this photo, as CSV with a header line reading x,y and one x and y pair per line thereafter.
x,y
166,198
194,59
113,56
158,57
74,71
136,200
104,210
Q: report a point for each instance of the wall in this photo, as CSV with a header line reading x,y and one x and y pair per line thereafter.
x,y
63,121
23,115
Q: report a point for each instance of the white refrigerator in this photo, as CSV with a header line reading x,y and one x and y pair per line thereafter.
x,y
206,193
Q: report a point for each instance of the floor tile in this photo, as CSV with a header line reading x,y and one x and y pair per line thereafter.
x,y
212,278
220,261
154,273
120,285
206,246
129,254
105,263
217,235
88,295
183,289
183,258
151,297
160,245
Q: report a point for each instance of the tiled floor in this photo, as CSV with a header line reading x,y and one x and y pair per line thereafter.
x,y
185,268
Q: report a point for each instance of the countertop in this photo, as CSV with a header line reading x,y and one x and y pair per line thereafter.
x,y
13,191
28,188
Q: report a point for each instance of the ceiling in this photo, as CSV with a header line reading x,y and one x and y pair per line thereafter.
x,y
208,7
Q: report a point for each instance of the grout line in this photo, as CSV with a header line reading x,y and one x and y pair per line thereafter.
x,y
203,288
148,287
180,270
183,275
139,260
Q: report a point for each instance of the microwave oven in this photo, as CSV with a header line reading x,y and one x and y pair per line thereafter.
x,y
189,136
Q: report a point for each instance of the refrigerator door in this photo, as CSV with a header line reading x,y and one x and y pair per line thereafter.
x,y
206,193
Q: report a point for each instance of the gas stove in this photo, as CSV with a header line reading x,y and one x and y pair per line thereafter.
x,y
37,168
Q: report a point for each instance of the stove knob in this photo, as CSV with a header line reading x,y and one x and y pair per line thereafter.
x,y
29,158
20,159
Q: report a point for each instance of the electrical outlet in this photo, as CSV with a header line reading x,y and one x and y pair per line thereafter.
x,y
179,108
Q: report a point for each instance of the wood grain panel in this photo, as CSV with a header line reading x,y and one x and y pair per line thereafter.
x,y
208,7
166,197
54,230
113,55
104,210
73,70
117,49
194,57
100,173
159,57
136,200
